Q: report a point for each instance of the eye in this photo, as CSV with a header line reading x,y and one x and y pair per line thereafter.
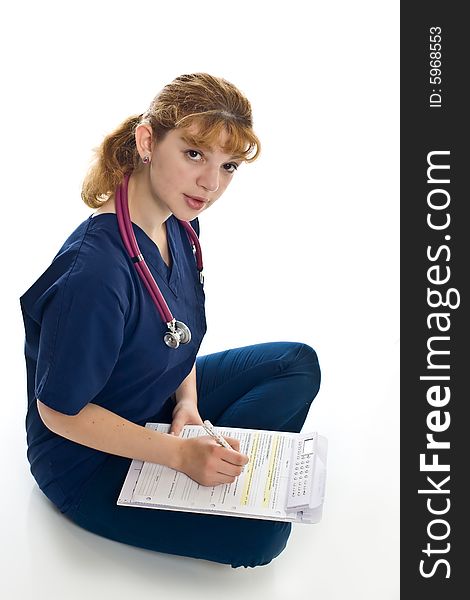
x,y
234,165
188,152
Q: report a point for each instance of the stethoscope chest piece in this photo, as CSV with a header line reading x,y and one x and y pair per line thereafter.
x,y
178,333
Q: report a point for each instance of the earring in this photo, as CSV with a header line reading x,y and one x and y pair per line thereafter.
x,y
146,159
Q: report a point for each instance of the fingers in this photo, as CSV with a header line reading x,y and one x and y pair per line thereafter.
x,y
176,426
231,471
239,456
233,464
233,442
209,463
234,456
229,463
224,479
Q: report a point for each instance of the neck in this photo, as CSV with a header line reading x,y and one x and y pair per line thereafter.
x,y
146,210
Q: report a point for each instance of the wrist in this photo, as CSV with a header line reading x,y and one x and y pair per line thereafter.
x,y
177,455
167,450
185,399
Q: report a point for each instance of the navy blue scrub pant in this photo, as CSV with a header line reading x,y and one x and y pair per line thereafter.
x,y
265,386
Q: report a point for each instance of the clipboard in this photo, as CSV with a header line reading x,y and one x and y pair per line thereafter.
x,y
284,480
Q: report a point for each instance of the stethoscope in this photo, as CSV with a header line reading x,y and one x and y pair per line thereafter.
x,y
178,333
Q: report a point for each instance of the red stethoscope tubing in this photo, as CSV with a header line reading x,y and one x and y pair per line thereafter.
x,y
130,243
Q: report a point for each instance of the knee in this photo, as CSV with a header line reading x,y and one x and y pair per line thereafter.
x,y
306,362
308,356
305,375
266,545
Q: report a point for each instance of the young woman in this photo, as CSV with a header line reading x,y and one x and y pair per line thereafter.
x,y
98,367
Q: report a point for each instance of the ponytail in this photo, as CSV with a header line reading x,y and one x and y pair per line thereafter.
x,y
116,156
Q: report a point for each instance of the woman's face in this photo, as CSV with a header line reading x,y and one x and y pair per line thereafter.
x,y
187,179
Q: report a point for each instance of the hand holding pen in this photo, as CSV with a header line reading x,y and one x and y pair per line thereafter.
x,y
211,431
212,464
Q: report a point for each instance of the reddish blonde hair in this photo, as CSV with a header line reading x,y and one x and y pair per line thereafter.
x,y
212,103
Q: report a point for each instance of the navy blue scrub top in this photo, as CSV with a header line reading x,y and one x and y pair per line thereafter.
x,y
93,334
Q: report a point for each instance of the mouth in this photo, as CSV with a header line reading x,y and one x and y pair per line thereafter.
x,y
195,202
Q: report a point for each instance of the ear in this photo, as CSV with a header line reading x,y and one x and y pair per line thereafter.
x,y
144,139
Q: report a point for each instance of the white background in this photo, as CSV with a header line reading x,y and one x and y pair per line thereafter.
x,y
303,246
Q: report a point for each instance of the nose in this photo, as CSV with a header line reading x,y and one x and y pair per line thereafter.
x,y
209,178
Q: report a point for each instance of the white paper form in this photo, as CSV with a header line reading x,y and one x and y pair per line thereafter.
x,y
259,492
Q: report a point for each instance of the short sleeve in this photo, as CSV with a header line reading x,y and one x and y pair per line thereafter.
x,y
81,333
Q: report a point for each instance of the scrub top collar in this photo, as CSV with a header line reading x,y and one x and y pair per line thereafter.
x,y
169,276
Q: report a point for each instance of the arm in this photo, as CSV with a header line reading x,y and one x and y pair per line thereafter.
x,y
200,458
186,411
101,429
203,456
187,390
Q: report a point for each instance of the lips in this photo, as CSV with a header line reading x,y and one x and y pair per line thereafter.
x,y
197,198
195,202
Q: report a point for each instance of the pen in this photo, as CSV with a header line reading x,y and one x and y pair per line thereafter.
x,y
210,430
